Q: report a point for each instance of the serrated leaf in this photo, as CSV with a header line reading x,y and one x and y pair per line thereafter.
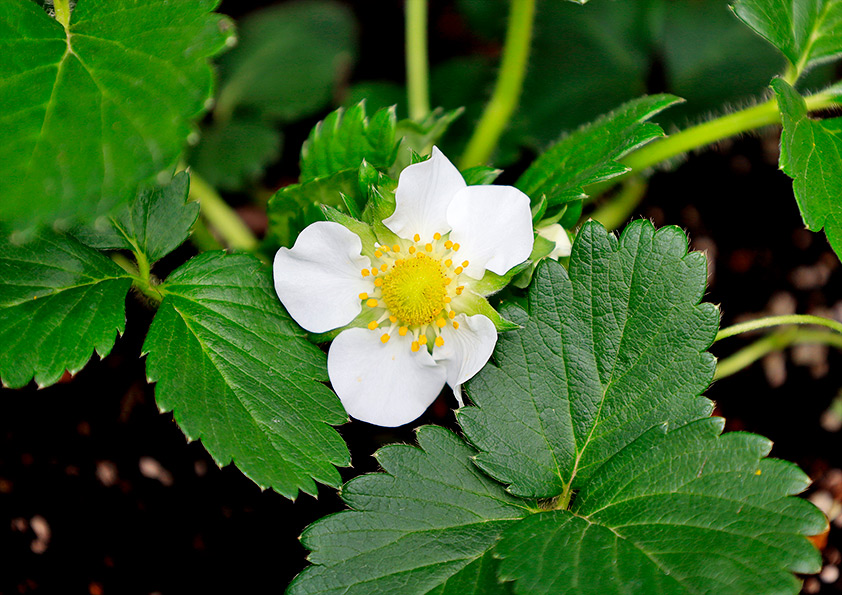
x,y
428,523
90,112
233,154
689,511
59,302
288,60
155,222
239,374
419,137
807,32
347,136
610,350
811,154
590,154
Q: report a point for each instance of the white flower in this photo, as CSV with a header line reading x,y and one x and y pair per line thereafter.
x,y
412,300
558,236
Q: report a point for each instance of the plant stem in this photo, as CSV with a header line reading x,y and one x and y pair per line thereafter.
x,y
222,217
617,211
770,343
141,281
417,69
504,98
772,321
62,8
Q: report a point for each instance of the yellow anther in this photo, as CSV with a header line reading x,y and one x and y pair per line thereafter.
x,y
452,315
458,270
384,248
363,296
393,319
460,289
385,338
448,244
372,325
372,303
455,325
415,346
384,267
416,238
439,341
465,264
447,300
447,281
422,339
399,261
378,254
374,271
455,247
402,331
441,323
412,249
428,247
396,248
448,263
365,272
378,282
437,236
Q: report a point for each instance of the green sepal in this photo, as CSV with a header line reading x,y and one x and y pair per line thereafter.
x,y
540,209
481,175
471,303
540,249
491,283
363,230
418,137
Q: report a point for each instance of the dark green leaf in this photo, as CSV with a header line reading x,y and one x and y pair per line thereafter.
x,y
684,512
59,302
807,32
609,351
239,374
155,222
590,154
288,60
346,137
811,154
427,523
91,112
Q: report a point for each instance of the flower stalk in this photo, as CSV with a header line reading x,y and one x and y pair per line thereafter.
x,y
221,217
417,68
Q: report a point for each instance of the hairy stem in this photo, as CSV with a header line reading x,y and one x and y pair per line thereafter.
x,y
773,321
221,217
506,94
417,69
141,276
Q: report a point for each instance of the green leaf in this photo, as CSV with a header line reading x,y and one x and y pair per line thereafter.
x,y
344,138
91,112
239,374
609,351
155,222
288,61
59,302
428,523
807,32
811,154
481,175
233,154
688,511
590,154
419,137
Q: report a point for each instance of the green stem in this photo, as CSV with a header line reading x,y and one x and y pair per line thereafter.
x,y
141,281
772,321
617,211
417,69
222,217
770,343
506,94
62,8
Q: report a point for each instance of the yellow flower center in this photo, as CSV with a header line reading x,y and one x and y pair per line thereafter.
x,y
415,290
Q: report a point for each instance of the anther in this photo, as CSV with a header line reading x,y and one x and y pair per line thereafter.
x,y
416,238
412,249
378,254
460,289
385,338
402,331
396,248
465,264
372,325
372,303
365,272
439,341
374,271
393,319
415,346
378,282
363,296
384,248
384,267
448,263
455,325
447,280
441,323
456,247
458,270
448,244
447,299
428,247
422,339
452,314
437,236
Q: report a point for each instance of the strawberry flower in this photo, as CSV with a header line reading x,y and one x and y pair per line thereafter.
x,y
410,305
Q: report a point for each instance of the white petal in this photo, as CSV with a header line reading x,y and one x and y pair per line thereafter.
x,y
556,234
386,385
466,349
493,227
424,192
318,279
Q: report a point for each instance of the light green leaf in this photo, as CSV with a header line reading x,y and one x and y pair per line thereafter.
x,y
590,154
91,112
807,32
688,511
811,154
344,138
233,154
59,302
288,60
154,223
239,374
609,351
426,525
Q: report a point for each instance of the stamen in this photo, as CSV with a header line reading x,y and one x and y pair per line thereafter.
x,y
416,238
393,319
412,249
378,282
465,264
448,263
456,247
441,323
378,254
460,289
374,271
385,338
385,248
384,267
447,300
415,346
372,303
439,341
363,296
455,325
365,272
448,244
396,248
458,270
372,325
447,280
422,339
437,236
402,331
428,247
452,314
